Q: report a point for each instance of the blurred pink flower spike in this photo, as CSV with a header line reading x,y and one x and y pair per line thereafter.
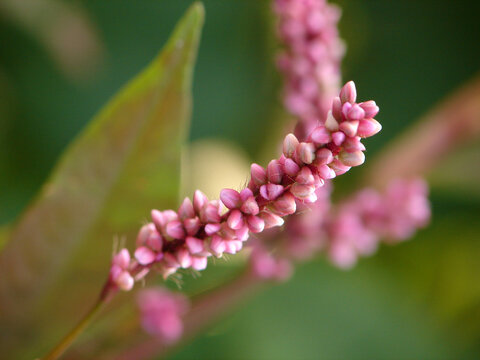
x,y
161,313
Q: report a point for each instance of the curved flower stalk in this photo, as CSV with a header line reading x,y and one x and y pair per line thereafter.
x,y
202,228
310,61
347,231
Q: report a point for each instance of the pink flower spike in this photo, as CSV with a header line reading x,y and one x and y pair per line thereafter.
x,y
255,224
271,191
175,230
285,204
349,128
371,109
230,198
199,201
352,159
235,220
321,135
186,209
289,145
194,245
270,219
144,255
211,229
275,172
348,93
258,174
338,138
368,127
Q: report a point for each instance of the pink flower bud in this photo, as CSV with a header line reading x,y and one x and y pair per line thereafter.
x,y
352,159
259,174
270,219
291,168
305,176
158,219
323,156
194,245
242,234
338,138
186,209
368,127
175,230
199,263
275,172
320,135
122,259
199,201
331,124
255,224
192,225
336,112
217,245
245,194
301,191
250,206
211,229
349,128
352,144
144,255
210,213
285,204
306,152
371,109
348,93
233,246
235,220
339,167
326,172
290,143
271,191
184,258
124,281
355,113
230,198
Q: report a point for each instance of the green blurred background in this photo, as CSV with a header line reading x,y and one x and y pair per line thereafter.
x,y
418,300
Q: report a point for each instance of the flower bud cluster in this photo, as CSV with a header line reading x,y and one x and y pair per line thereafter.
x,y
202,228
311,59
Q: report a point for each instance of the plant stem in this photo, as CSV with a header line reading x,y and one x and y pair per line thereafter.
x,y
67,341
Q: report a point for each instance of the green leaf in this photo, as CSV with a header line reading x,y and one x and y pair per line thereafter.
x,y
125,162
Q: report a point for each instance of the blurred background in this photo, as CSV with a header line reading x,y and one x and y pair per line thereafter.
x,y
420,299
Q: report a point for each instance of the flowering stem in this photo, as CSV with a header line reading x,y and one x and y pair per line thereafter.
x,y
68,340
